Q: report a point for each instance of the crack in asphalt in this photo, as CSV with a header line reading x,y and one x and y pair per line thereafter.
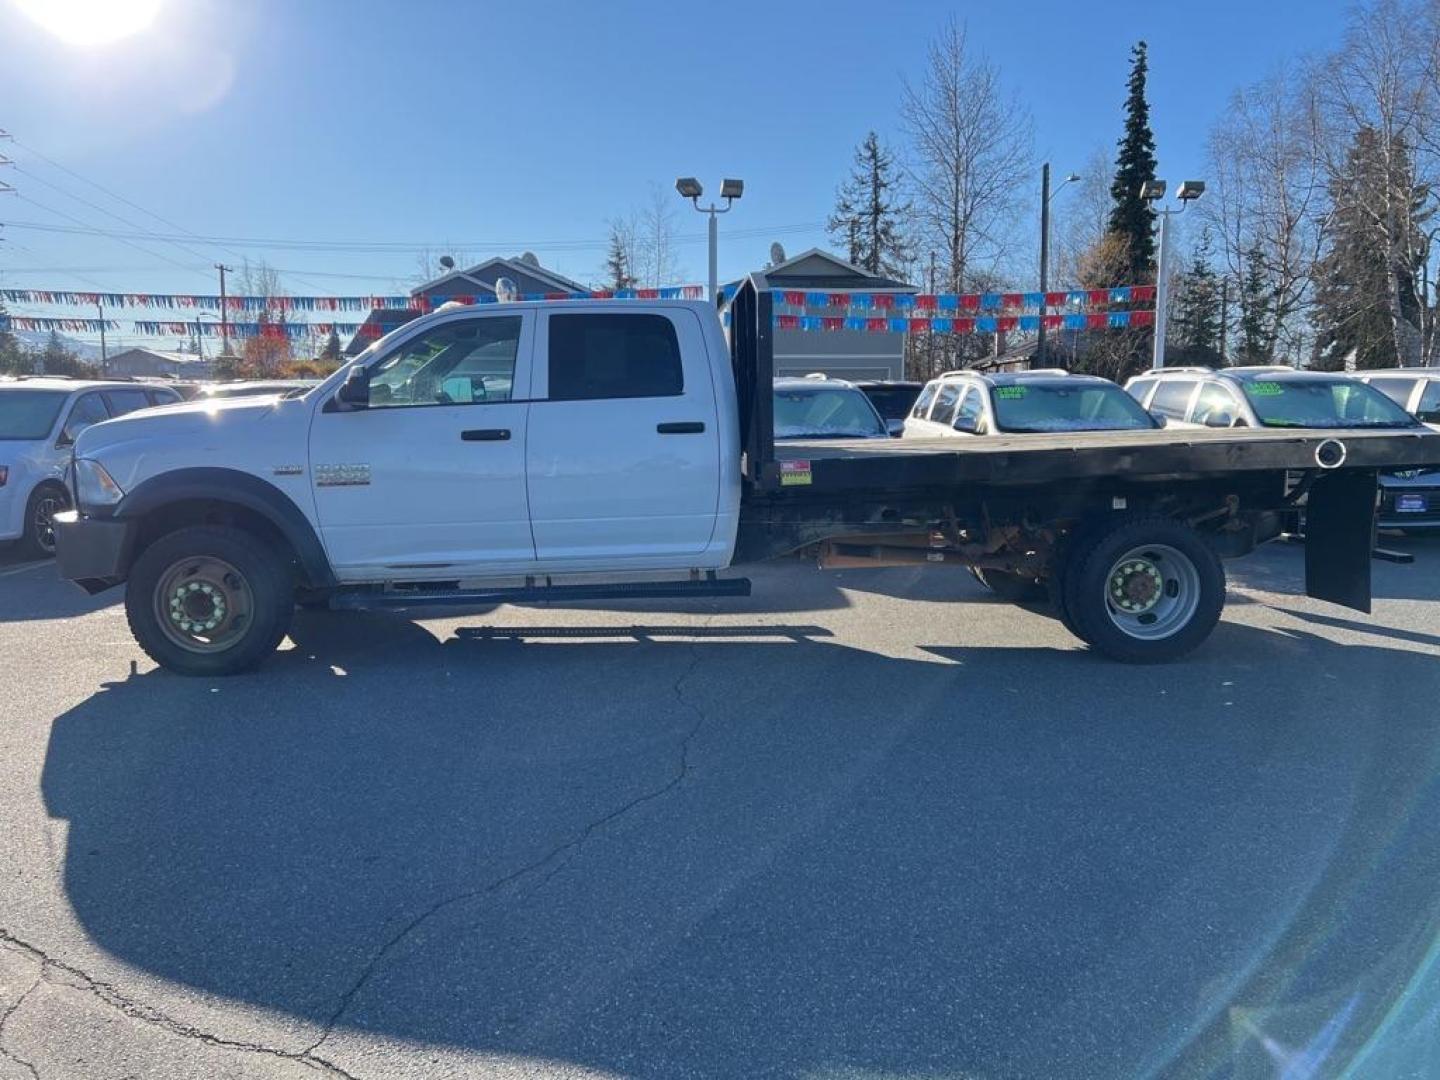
x,y
569,849
111,996
5,1051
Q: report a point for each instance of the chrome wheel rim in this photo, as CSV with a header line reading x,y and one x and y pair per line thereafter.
x,y
203,604
43,521
1152,592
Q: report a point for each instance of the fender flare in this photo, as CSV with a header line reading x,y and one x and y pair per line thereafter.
x,y
242,489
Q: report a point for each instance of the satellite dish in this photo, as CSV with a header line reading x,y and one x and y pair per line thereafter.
x,y
530,259
447,263
506,290
777,254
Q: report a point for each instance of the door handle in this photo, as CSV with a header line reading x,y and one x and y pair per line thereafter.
x,y
493,434
681,427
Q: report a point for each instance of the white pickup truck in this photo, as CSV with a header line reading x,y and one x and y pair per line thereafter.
x,y
583,450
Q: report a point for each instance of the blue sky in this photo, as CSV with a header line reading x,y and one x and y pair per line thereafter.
x,y
528,125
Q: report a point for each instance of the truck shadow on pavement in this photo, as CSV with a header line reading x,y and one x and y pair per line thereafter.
x,y
749,851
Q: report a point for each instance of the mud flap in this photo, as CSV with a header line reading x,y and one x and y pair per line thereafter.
x,y
1339,536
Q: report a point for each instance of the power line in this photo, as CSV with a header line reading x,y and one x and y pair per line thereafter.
x,y
85,227
404,247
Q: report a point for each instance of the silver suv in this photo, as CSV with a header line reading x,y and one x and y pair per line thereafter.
x,y
1269,396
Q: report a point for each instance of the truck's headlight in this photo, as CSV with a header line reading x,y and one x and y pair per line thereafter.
x,y
94,486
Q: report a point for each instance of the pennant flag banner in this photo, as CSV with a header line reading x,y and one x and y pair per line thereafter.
x,y
971,302
149,328
979,324
74,326
204,302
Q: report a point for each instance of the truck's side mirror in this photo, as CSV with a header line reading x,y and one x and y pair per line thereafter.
x,y
355,390
895,428
970,425
1161,420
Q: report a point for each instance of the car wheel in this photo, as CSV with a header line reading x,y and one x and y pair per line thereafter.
x,y
1145,591
209,600
45,502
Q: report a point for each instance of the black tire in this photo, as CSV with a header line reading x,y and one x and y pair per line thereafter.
x,y
308,599
1012,587
263,580
1187,595
38,541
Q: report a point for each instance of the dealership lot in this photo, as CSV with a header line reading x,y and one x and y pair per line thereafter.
x,y
858,825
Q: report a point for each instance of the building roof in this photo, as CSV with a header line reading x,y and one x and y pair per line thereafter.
x,y
823,270
515,265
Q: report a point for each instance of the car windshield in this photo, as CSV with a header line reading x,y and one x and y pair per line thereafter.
x,y
825,412
892,402
1322,403
1037,407
29,414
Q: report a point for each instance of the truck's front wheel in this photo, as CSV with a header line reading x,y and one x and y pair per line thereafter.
x,y
1146,591
209,601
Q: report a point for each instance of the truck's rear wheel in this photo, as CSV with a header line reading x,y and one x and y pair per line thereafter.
x,y
209,601
1146,591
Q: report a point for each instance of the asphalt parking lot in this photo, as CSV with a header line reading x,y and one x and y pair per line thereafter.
x,y
860,825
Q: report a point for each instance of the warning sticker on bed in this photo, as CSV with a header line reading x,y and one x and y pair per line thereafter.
x,y
794,472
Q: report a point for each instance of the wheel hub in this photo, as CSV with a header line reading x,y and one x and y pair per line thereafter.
x,y
204,604
197,605
1136,586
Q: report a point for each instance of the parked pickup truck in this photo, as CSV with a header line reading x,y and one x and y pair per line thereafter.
x,y
590,450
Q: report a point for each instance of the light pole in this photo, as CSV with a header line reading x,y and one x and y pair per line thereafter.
x,y
730,190
1045,198
1152,191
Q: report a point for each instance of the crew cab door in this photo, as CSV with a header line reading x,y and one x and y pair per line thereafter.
x,y
430,477
623,461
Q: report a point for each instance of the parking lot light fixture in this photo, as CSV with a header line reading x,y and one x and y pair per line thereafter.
x,y
730,190
1153,191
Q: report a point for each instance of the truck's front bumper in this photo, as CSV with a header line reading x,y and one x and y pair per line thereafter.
x,y
92,552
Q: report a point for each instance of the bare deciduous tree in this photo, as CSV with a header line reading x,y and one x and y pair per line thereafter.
x,y
655,260
969,143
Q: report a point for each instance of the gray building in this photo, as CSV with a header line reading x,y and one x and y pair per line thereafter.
x,y
476,281
845,354
154,362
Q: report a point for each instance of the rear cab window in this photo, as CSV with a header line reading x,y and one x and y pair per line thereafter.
x,y
603,356
1139,388
922,403
944,411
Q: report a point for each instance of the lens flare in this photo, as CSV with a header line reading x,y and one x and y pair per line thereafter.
x,y
90,23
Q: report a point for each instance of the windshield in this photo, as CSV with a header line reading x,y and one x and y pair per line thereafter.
x,y
1322,403
1036,407
825,413
29,414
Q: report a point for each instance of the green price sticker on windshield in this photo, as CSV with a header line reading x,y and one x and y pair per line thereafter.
x,y
1006,393
1264,389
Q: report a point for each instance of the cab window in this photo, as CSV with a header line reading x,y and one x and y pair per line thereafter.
x,y
1215,407
88,409
1429,407
1172,396
459,363
596,357
944,411
1139,388
967,416
922,403
1397,390
126,401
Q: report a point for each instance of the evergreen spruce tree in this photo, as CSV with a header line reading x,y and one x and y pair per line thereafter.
x,y
1197,316
331,352
867,211
1353,318
1132,217
1257,308
618,271
10,354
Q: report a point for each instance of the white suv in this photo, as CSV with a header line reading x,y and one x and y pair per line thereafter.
x,y
39,420
1416,390
965,402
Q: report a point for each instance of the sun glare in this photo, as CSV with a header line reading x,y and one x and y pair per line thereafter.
x,y
91,22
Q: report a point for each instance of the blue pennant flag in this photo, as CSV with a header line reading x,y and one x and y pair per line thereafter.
x,y
987,324
1075,321
1035,299
1029,322
948,302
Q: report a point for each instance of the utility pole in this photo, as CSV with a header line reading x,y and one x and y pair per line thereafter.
x,y
224,311
1044,259
104,356
1152,191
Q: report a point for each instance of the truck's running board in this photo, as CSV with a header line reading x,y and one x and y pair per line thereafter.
x,y
370,600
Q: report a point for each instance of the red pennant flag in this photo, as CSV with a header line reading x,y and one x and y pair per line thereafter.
x,y
966,326
833,322
1011,300
787,322
1142,292
794,298
1054,322
1055,299
1145,317
839,299
1096,320
1099,297
1007,322
970,301
877,325
919,326
925,301
884,301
